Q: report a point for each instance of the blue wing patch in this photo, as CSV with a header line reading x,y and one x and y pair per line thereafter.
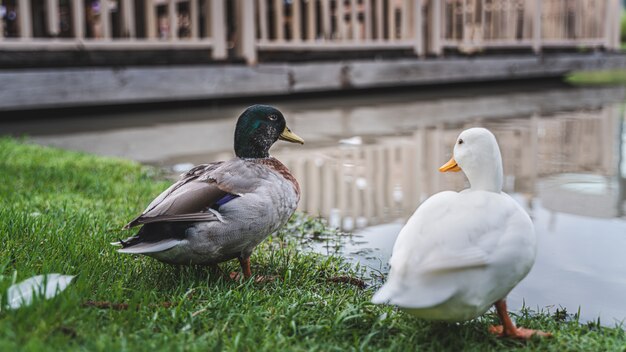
x,y
225,199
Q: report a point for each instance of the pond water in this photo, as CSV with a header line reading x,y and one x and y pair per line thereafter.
x,y
370,160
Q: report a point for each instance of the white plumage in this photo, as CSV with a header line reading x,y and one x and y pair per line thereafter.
x,y
462,252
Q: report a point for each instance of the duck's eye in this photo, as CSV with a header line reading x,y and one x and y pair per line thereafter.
x,y
272,117
460,141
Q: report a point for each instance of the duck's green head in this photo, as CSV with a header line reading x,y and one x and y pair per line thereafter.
x,y
258,128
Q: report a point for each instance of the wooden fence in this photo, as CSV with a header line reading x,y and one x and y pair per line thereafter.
x,y
113,25
420,26
471,25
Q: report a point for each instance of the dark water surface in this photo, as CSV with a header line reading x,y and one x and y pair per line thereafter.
x,y
370,160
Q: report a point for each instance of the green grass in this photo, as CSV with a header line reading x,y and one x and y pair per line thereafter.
x,y
59,210
602,77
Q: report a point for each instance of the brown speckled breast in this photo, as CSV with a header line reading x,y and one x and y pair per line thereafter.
x,y
280,168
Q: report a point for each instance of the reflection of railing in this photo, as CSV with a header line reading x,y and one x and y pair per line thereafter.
x,y
369,183
113,24
381,182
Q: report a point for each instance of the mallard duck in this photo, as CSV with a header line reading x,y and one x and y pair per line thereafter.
x,y
460,253
223,210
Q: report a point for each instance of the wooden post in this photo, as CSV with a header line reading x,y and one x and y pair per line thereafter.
x,y
537,27
380,31
1,29
105,18
151,26
436,24
326,28
263,20
354,22
128,19
391,20
599,21
78,18
341,20
419,43
579,15
52,18
310,11
173,21
279,22
482,23
248,40
452,19
464,25
296,21
367,5
195,19
405,19
608,23
615,24
218,30
24,15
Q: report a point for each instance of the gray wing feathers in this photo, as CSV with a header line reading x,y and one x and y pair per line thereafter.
x,y
197,190
184,178
186,200
189,202
190,198
236,176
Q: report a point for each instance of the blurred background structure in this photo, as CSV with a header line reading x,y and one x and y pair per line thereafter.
x,y
130,51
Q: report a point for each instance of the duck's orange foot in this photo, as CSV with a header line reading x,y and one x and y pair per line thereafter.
x,y
235,276
518,333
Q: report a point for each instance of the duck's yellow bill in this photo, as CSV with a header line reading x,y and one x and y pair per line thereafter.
x,y
289,136
451,165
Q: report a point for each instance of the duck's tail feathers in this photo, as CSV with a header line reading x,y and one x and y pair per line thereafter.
x,y
150,247
413,297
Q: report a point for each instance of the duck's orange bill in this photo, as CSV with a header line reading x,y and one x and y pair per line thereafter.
x,y
451,165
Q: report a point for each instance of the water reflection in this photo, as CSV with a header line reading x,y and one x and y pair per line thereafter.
x,y
369,162
568,160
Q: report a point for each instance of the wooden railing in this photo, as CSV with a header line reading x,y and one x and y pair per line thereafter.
x,y
427,26
332,25
418,26
114,24
470,25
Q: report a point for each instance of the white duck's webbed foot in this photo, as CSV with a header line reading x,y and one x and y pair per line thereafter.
x,y
508,329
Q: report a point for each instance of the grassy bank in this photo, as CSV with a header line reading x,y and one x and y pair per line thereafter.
x,y
58,212
602,77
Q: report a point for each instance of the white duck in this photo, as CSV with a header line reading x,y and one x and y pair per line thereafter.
x,y
460,253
